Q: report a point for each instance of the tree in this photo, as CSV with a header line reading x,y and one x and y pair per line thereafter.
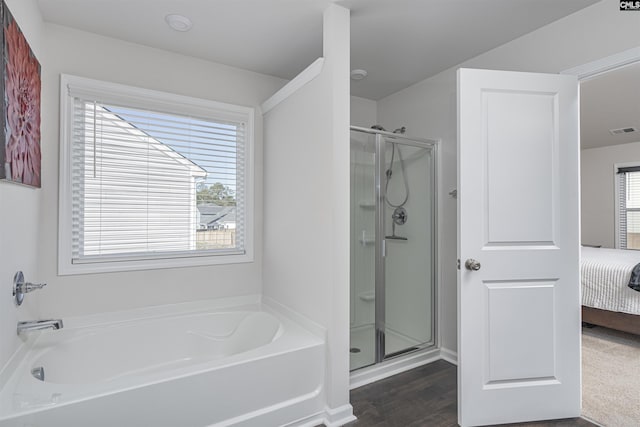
x,y
216,193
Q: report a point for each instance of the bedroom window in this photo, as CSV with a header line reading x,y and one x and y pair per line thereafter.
x,y
151,180
628,207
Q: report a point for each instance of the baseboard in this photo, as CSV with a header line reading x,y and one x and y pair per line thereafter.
x,y
340,416
329,417
449,356
592,421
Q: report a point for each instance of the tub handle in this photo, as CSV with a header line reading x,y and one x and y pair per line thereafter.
x,y
29,287
20,287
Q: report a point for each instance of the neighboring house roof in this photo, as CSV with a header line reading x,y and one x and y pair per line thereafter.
x,y
211,214
135,131
228,218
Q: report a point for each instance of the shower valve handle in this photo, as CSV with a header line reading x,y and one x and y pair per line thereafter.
x,y
21,287
472,264
30,287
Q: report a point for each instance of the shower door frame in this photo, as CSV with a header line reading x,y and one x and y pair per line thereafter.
x,y
380,241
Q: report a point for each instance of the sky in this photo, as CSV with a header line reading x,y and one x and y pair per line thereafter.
x,y
210,145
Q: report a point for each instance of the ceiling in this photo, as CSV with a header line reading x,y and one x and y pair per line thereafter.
x,y
610,101
398,42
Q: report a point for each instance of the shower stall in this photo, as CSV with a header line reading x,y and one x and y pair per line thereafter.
x,y
393,246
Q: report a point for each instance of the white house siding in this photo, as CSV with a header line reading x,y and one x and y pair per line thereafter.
x,y
138,192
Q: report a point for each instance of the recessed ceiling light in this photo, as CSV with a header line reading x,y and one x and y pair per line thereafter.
x,y
179,22
358,74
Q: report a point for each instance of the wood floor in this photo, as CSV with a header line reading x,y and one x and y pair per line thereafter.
x,y
423,397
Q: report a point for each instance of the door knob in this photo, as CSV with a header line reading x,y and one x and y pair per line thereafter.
x,y
472,264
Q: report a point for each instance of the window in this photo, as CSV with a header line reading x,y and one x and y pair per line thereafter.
x,y
151,179
628,207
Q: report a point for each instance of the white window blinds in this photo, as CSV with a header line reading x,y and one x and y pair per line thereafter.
x,y
629,208
152,184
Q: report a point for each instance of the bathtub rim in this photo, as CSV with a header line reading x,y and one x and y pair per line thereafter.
x,y
161,311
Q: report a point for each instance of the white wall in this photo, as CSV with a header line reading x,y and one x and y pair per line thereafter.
x,y
598,190
19,209
89,55
428,108
297,174
306,218
364,112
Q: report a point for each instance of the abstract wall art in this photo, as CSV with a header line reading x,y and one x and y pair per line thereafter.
x,y
20,158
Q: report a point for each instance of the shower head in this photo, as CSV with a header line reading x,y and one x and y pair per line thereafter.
x,y
401,130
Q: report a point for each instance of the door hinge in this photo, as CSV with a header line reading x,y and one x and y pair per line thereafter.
x,y
458,263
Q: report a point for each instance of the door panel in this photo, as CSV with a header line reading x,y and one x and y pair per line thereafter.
x,y
517,332
519,191
518,215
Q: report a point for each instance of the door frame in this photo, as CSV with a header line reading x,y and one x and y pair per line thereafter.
x,y
589,71
595,68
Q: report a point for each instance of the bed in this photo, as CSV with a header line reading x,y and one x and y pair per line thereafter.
x,y
607,299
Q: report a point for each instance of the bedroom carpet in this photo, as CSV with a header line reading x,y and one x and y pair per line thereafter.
x,y
610,377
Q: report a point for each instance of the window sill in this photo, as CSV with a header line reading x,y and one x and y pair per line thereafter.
x,y
66,268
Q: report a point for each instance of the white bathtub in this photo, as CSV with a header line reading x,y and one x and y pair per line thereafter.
x,y
176,366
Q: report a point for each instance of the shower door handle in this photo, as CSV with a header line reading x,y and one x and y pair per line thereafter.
x,y
472,264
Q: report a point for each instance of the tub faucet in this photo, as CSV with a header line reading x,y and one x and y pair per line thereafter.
x,y
37,325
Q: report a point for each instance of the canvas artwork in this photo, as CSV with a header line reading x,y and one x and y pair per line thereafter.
x,y
20,88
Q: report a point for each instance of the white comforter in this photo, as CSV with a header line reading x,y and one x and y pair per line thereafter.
x,y
605,275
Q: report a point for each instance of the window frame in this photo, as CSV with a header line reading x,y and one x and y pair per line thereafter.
x,y
135,97
617,204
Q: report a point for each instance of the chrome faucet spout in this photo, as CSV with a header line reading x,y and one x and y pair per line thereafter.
x,y
38,325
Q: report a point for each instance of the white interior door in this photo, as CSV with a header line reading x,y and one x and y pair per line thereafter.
x,y
518,217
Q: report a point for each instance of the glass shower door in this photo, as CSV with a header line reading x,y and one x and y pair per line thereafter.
x,y
409,223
